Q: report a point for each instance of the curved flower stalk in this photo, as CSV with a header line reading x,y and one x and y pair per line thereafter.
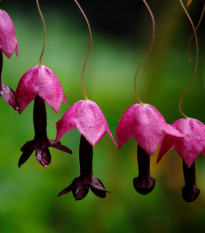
x,y
86,116
8,45
147,126
188,147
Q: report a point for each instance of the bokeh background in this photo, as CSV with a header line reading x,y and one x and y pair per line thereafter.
x,y
121,35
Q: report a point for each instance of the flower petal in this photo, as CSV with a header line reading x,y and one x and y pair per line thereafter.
x,y
26,91
87,117
148,127
9,96
8,41
98,188
28,145
166,145
68,189
124,129
80,192
145,124
40,80
43,156
27,149
50,88
171,130
97,184
192,144
59,146
68,121
98,192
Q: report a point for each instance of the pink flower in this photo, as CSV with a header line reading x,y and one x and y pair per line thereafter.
x,y
40,84
147,126
8,41
188,147
40,80
8,44
86,116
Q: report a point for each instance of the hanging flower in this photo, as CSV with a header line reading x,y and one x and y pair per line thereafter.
x,y
40,80
147,126
188,147
40,84
86,116
8,44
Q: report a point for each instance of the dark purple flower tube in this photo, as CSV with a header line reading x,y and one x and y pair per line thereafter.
x,y
80,186
190,191
40,143
144,183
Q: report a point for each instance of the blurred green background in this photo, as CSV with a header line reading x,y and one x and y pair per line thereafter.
x,y
121,35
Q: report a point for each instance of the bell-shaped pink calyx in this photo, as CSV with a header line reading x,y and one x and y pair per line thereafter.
x,y
189,146
86,116
40,80
8,41
146,125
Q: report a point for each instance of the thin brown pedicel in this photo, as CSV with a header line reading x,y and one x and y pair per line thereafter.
x,y
197,26
90,45
196,62
148,51
44,29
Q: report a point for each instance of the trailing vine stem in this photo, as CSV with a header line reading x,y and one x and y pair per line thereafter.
x,y
196,62
44,29
197,26
148,51
90,45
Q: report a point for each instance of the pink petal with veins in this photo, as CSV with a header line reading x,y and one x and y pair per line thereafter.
x,y
166,145
192,144
8,41
124,130
86,116
170,129
40,80
145,123
148,129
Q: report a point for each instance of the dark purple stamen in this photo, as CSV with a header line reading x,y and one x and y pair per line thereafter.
x,y
190,191
40,143
144,183
5,91
80,186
